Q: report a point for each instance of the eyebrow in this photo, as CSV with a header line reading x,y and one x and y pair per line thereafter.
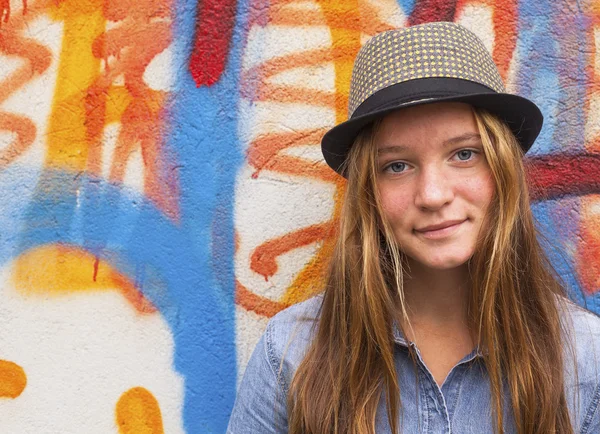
x,y
448,142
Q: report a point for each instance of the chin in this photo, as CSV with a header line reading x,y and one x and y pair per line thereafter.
x,y
443,262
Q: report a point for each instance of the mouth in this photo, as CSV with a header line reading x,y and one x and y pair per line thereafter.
x,y
440,230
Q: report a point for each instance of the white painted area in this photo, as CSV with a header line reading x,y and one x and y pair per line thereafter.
x,y
590,206
6,138
271,206
80,353
389,12
245,124
479,19
307,152
109,143
513,67
302,6
134,171
592,122
278,117
319,77
34,100
8,65
274,41
159,72
275,204
249,328
597,48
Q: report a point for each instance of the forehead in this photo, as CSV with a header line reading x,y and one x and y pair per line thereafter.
x,y
428,122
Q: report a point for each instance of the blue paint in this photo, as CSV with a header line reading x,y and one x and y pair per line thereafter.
x,y
553,57
185,268
558,223
204,134
571,33
407,6
552,74
536,76
171,268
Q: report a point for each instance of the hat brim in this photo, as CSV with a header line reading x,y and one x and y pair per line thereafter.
x,y
522,116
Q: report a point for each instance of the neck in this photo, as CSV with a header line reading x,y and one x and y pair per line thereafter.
x,y
436,297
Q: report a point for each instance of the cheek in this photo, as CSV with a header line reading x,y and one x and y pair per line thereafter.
x,y
395,202
480,190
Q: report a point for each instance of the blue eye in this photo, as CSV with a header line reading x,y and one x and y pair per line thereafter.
x,y
464,154
397,167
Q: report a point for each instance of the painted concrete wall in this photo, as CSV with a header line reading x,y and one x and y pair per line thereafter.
x,y
162,191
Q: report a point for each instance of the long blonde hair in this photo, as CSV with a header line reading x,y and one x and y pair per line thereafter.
x,y
513,305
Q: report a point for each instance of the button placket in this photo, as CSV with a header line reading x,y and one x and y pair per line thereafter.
x,y
437,397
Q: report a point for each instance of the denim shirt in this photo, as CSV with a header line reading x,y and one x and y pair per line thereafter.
x,y
463,404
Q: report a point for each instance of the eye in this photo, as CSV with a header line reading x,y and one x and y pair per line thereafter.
x,y
464,154
396,167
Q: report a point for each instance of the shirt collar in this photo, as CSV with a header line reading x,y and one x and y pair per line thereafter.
x,y
400,339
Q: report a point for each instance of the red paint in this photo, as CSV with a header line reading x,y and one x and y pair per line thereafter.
x,y
556,176
4,11
432,10
213,36
96,265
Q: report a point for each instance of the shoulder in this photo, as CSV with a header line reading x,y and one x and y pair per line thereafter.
x,y
583,331
582,362
304,312
288,336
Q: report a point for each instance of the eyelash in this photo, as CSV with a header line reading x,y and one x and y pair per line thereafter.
x,y
474,152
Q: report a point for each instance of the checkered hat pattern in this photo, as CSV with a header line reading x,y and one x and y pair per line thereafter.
x,y
440,49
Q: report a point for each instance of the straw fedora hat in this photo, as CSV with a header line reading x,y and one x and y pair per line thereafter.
x,y
427,63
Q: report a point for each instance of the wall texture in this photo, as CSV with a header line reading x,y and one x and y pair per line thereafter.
x,y
163,195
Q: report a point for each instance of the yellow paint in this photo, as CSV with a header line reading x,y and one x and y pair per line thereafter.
x,y
345,46
59,269
118,98
12,379
78,68
138,412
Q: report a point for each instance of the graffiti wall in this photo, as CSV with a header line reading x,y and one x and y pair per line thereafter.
x,y
163,194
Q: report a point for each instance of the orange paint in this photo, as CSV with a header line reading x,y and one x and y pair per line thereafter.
x,y
263,259
12,379
138,412
37,59
58,269
258,304
505,30
126,51
504,19
588,266
345,20
593,76
588,248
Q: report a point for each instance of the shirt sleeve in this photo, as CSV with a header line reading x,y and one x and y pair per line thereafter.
x,y
260,405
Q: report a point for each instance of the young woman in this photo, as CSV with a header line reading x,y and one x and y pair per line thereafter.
x,y
440,313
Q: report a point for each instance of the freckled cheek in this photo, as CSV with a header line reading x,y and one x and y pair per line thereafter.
x,y
479,190
395,204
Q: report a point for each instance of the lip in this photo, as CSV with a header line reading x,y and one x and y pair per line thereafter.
x,y
440,230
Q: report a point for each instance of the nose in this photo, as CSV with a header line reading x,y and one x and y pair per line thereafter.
x,y
434,189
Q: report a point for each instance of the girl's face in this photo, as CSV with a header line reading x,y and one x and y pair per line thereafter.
x,y
434,182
